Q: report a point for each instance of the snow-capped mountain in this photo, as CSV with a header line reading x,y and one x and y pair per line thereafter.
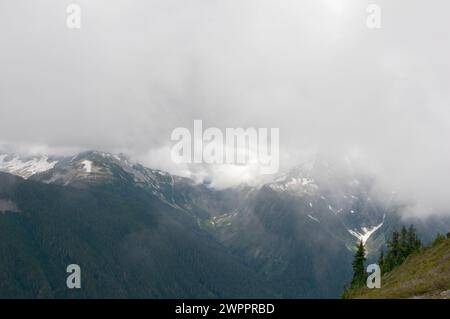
x,y
96,168
296,230
315,186
26,166
322,189
333,196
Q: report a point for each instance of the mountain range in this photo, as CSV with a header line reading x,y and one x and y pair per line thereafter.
x,y
138,232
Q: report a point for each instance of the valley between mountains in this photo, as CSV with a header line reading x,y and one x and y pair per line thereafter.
x,y
138,232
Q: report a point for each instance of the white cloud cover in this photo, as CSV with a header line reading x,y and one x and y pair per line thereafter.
x,y
138,69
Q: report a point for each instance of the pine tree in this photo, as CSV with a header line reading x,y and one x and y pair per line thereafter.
x,y
414,243
393,254
359,274
381,260
404,245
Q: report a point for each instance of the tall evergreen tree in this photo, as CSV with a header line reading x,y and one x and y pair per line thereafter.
x,y
359,274
404,244
414,243
381,260
393,255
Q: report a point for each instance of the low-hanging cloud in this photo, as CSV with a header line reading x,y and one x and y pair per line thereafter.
x,y
136,70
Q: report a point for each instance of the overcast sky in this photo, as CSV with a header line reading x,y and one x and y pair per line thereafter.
x,y
138,69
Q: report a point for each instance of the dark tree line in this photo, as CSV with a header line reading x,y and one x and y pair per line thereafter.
x,y
401,244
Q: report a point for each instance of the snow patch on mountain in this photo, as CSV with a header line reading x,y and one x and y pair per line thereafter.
x,y
87,166
294,184
365,232
313,218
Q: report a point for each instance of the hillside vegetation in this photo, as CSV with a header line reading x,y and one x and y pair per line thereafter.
x,y
425,274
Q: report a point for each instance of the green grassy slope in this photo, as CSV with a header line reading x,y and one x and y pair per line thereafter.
x,y
423,275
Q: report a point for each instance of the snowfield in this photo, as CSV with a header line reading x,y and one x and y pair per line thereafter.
x,y
25,167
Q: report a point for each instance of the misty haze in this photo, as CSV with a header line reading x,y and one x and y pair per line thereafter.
x,y
95,95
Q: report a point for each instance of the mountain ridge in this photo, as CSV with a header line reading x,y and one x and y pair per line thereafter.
x,y
292,235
